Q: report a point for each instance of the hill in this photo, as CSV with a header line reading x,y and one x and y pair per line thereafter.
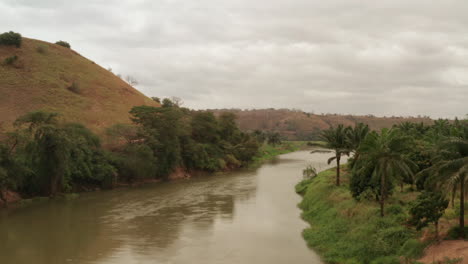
x,y
298,125
50,77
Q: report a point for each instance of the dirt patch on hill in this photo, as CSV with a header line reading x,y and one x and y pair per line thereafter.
x,y
451,249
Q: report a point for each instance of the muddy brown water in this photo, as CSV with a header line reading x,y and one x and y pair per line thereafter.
x,y
239,217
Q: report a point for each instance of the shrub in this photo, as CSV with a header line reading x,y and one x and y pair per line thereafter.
x,y
75,88
395,209
386,260
42,48
10,60
412,249
11,39
63,44
454,233
301,187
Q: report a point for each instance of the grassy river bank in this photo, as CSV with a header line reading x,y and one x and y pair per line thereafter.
x,y
343,230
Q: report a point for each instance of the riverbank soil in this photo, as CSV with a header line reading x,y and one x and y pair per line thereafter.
x,y
9,197
451,249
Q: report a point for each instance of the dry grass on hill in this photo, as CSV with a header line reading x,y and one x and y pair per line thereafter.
x,y
295,124
54,78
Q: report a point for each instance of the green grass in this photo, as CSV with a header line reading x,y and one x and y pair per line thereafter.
x,y
343,230
268,152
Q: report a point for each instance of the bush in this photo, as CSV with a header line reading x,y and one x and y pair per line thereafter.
x,y
41,48
412,249
386,260
395,209
63,44
301,187
11,39
75,88
10,60
454,233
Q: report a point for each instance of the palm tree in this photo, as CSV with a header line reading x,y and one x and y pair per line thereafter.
x,y
355,135
385,154
335,139
450,171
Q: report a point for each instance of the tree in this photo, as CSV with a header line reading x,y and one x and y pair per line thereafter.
x,y
260,136
274,138
60,155
354,136
450,171
11,39
336,139
65,44
385,152
161,131
428,208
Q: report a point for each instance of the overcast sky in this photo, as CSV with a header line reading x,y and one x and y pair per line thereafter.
x,y
396,57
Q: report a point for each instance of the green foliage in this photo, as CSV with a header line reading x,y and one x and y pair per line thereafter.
x,y
412,249
337,140
386,260
63,44
10,60
195,140
273,138
454,233
344,230
428,208
11,39
59,156
135,162
384,156
301,187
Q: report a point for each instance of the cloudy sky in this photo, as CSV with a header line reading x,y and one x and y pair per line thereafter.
x,y
395,57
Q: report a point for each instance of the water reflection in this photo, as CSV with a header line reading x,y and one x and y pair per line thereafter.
x,y
240,217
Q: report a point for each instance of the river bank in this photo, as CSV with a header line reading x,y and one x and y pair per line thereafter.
x,y
265,153
345,231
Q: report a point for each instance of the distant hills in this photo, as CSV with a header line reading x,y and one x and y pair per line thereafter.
x,y
298,125
51,77
45,76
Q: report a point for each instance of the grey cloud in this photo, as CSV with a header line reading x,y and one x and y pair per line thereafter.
x,y
361,57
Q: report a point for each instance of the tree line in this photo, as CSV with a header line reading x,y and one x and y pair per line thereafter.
x,y
431,159
44,156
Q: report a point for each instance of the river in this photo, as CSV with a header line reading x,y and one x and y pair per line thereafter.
x,y
240,217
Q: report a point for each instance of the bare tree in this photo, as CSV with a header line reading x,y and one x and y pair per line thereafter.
x,y
177,101
131,80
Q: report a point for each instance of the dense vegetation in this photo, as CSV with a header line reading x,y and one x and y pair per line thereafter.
x,y
351,222
63,44
11,39
45,157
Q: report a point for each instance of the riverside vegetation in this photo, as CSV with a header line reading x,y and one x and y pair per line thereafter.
x,y
397,182
45,156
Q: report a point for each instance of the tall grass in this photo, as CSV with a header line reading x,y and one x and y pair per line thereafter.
x,y
268,152
346,231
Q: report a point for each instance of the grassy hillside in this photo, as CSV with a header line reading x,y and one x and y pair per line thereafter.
x,y
54,78
306,126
